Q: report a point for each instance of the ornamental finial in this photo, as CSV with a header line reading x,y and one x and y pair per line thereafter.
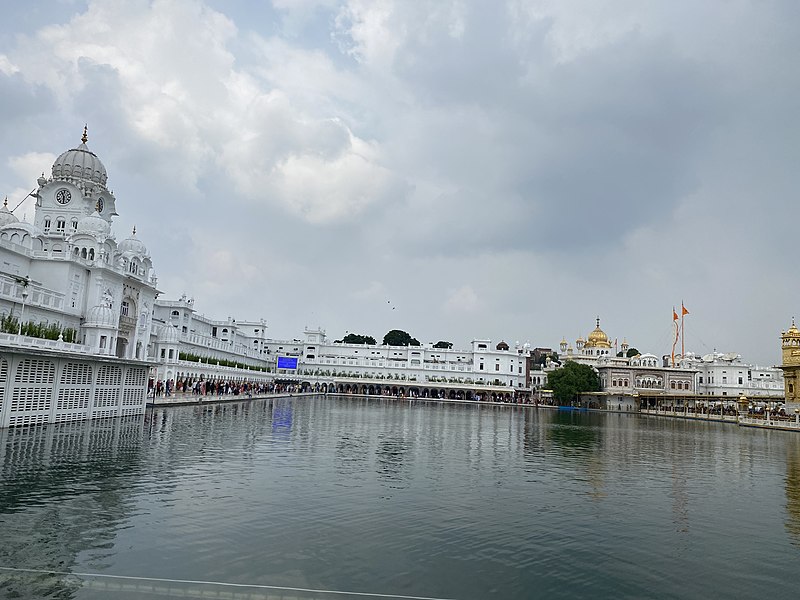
x,y
598,322
5,203
85,136
134,230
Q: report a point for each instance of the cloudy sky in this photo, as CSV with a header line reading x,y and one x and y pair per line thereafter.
x,y
456,169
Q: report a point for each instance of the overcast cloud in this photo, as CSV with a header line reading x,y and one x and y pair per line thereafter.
x,y
456,169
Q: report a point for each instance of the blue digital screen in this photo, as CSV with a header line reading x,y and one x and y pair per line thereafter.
x,y
287,362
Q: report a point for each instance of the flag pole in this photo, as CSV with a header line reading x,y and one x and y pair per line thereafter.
x,y
683,312
675,340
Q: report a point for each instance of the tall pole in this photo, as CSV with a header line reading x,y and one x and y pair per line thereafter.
x,y
683,313
25,283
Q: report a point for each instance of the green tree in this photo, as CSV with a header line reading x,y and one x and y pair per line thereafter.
x,y
443,345
355,338
571,380
396,337
630,353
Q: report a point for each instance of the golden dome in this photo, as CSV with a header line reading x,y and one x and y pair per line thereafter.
x,y
598,338
791,334
793,331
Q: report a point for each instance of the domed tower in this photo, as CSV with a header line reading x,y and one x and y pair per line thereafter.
x,y
790,355
563,345
597,343
75,189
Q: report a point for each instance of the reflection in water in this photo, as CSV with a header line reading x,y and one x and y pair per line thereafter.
x,y
421,498
391,455
64,480
793,492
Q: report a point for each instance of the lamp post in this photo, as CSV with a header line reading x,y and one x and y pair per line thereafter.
x,y
24,298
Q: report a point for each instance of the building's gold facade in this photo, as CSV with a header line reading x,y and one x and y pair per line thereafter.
x,y
790,363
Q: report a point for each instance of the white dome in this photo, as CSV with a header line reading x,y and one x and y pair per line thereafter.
x,y
100,316
28,228
6,216
168,334
94,224
132,244
80,163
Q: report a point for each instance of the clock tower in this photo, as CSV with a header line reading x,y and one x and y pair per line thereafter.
x,y
75,190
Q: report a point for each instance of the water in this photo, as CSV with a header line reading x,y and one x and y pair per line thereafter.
x,y
397,497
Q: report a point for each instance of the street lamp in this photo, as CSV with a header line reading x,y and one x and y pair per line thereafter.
x,y
25,283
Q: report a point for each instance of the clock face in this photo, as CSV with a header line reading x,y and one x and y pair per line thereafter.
x,y
100,205
63,196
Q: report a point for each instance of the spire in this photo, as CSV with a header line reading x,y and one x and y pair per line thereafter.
x,y
85,137
598,322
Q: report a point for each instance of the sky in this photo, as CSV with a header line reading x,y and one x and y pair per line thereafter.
x,y
508,170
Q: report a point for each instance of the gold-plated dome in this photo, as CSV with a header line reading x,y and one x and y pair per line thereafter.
x,y
598,338
793,331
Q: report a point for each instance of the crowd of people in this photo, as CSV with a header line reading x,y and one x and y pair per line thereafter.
x,y
203,388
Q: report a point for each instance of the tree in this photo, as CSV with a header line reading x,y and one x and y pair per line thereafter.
x,y
355,338
630,353
571,380
443,345
397,337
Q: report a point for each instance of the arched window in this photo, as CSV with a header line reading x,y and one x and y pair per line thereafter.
x,y
74,224
61,224
83,252
47,224
76,251
91,253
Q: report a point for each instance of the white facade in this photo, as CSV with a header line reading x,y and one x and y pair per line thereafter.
x,y
721,374
182,332
67,270
480,365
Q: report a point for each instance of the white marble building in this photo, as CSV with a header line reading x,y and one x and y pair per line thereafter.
x,y
725,374
67,269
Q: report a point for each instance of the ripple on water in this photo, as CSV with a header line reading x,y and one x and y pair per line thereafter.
x,y
422,499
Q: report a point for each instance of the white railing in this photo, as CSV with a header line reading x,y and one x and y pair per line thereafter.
x,y
770,422
23,341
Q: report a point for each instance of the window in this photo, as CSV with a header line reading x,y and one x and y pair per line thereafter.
x,y
91,253
47,224
125,308
175,313
102,342
497,367
480,367
60,224
163,353
74,224
171,352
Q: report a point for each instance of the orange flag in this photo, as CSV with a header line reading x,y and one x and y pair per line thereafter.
x,y
675,315
683,310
